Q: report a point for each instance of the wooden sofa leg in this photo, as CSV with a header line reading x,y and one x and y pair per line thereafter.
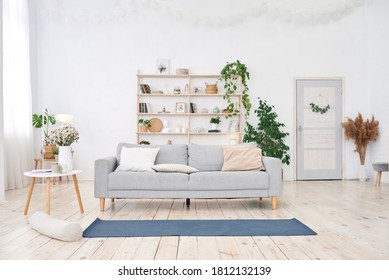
x,y
187,201
102,204
273,202
112,199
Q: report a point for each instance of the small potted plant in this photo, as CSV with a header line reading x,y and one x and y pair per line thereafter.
x,y
144,125
144,142
214,122
55,151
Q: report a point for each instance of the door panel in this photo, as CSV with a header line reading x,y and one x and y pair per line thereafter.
x,y
319,136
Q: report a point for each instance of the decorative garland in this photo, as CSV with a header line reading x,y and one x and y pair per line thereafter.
x,y
299,12
316,109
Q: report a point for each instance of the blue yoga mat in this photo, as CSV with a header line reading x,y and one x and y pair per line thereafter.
x,y
142,228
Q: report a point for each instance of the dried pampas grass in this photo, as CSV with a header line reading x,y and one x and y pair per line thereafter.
x,y
361,132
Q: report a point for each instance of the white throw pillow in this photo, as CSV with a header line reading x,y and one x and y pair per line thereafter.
x,y
137,159
180,168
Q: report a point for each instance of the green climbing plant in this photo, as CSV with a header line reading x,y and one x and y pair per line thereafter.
x,y
233,74
268,133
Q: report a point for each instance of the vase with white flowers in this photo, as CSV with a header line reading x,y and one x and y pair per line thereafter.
x,y
64,136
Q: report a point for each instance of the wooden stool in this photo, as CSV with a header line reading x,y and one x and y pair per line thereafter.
x,y
379,167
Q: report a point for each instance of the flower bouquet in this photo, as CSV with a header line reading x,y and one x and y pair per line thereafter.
x,y
64,135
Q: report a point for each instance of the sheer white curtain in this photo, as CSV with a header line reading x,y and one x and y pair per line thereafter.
x,y
18,140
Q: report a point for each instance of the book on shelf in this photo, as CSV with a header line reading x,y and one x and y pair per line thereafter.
x,y
144,107
193,108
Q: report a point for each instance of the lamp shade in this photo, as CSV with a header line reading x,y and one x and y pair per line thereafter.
x,y
63,118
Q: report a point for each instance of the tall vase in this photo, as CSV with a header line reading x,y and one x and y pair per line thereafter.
x,y
362,173
65,158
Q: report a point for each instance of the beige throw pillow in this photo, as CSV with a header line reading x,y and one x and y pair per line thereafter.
x,y
242,158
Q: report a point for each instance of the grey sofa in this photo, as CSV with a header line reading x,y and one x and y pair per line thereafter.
x,y
210,182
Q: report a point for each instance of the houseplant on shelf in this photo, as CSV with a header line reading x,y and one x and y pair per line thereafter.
x,y
361,132
44,120
268,134
235,77
214,122
64,136
144,125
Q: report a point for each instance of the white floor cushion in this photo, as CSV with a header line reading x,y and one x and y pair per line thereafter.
x,y
55,228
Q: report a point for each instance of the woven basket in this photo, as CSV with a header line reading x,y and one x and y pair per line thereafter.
x,y
211,89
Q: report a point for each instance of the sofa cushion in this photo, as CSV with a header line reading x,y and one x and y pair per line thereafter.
x,y
137,159
179,168
205,157
242,158
177,153
153,181
234,180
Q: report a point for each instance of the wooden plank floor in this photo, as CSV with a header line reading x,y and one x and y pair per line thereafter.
x,y
350,217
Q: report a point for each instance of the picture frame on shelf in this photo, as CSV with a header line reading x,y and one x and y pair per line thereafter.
x,y
233,126
145,89
180,107
163,66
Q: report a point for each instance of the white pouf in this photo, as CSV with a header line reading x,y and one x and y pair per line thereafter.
x,y
55,228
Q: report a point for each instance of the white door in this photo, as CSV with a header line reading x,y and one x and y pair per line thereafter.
x,y
319,131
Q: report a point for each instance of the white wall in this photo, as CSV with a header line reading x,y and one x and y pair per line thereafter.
x,y
88,69
378,77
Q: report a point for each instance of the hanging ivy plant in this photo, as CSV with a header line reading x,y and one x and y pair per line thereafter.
x,y
232,75
317,109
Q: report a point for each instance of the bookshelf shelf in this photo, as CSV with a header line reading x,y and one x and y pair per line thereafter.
x,y
191,118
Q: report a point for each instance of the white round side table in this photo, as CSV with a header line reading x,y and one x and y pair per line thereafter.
x,y
48,175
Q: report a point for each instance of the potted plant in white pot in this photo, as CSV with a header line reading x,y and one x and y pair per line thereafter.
x,y
215,122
